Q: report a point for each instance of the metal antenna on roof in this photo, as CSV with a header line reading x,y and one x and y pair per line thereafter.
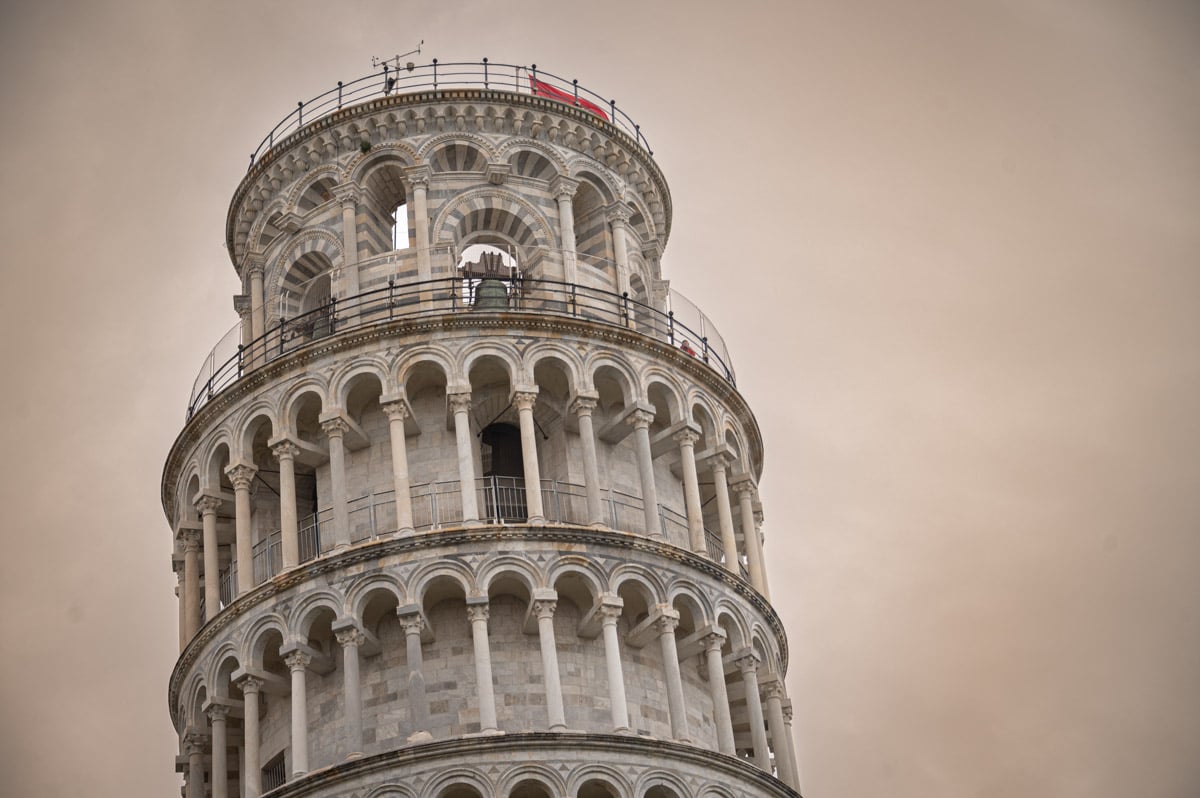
x,y
394,61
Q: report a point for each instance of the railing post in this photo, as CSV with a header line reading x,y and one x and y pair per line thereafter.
x,y
574,301
371,512
339,95
704,340
575,85
625,307
433,506
662,522
485,72
391,297
532,89
435,74
300,114
240,348
332,315
612,111
282,337
671,327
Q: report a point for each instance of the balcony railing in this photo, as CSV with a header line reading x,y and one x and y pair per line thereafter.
x,y
450,75
501,500
222,368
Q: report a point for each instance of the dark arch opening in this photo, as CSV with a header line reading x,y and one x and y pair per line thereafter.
x,y
503,470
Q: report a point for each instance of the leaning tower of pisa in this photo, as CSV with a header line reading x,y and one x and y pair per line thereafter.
x,y
465,505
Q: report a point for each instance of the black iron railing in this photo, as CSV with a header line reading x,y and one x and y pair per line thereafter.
x,y
452,295
484,74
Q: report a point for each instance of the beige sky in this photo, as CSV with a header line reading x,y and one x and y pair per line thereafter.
x,y
954,248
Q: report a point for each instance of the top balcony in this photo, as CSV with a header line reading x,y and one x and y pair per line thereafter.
x,y
680,324
435,76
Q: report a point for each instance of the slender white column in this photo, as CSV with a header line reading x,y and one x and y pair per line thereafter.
x,y
791,745
610,612
720,696
335,430
289,536
397,412
618,216
350,639
773,690
524,401
544,610
748,665
258,307
460,404
564,191
758,577
477,614
191,581
413,626
724,517
691,489
251,767
348,195
297,662
418,181
583,407
241,475
665,626
193,749
180,593
207,507
640,421
217,715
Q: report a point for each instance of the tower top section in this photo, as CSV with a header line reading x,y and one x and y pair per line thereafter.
x,y
391,104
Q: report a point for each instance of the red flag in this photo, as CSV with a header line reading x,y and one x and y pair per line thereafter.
x,y
541,89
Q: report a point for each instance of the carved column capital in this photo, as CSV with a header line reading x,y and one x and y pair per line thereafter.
x,y
563,187
241,475
787,711
747,663
478,612
250,685
640,419
772,689
610,613
334,427
713,641
242,303
350,637
395,410
193,743
208,505
217,712
418,176
686,437
298,660
285,450
524,400
459,402
666,623
743,486
412,623
544,608
348,195
617,214
191,540
583,405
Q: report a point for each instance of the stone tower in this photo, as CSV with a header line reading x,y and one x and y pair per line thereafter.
x,y
465,505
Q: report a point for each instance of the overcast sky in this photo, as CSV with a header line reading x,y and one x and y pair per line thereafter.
x,y
954,248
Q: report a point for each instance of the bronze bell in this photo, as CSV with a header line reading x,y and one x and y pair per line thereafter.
x,y
491,294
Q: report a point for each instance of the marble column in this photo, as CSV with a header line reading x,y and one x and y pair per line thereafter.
x,y
754,559
791,744
460,404
350,639
524,400
289,535
564,189
396,413
348,196
477,614
217,715
583,407
773,690
720,696
418,181
413,625
640,421
298,662
691,490
191,581
241,475
193,749
335,430
258,308
251,767
618,216
719,463
544,610
610,613
665,626
748,665
207,507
